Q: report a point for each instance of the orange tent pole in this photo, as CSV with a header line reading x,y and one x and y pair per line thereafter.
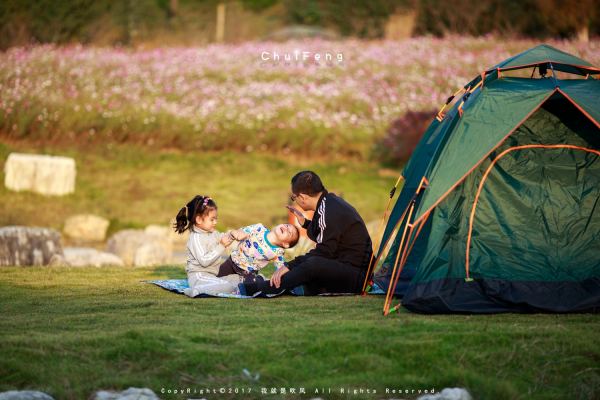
x,y
380,235
400,220
390,293
402,250
405,255
396,278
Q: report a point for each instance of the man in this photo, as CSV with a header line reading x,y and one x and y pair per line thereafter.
x,y
340,259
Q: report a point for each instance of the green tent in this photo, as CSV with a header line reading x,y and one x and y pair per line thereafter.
x,y
500,208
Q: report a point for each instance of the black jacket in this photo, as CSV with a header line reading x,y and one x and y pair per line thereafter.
x,y
340,233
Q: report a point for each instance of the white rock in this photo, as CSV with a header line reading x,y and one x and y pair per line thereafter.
x,y
177,240
151,254
129,394
20,245
158,230
136,247
448,394
44,174
87,257
86,227
25,395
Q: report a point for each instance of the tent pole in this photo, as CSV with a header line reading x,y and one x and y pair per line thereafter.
x,y
400,220
379,235
402,248
440,115
553,75
421,225
390,293
404,257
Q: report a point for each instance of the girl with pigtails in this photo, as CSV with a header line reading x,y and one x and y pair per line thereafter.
x,y
205,248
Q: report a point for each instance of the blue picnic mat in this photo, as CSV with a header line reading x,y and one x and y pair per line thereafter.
x,y
179,285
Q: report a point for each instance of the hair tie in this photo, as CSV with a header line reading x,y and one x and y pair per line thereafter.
x,y
206,200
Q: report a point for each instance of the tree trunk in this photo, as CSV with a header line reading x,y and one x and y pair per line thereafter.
x,y
583,33
220,34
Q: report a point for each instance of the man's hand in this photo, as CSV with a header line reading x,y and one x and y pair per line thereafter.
x,y
301,218
276,278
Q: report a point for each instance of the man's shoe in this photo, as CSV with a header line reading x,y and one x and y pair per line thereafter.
x,y
241,289
298,290
248,289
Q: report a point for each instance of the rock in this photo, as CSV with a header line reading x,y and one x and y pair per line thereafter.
x,y
86,227
25,395
448,394
150,254
129,394
177,240
47,175
138,248
87,257
20,245
158,230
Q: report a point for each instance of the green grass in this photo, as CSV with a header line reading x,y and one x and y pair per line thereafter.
x,y
71,331
136,187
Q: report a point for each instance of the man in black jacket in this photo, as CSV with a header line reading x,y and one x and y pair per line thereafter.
x,y
340,259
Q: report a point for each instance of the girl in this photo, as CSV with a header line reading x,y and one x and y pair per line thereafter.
x,y
205,248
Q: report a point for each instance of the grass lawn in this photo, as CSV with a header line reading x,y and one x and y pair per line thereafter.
x,y
71,331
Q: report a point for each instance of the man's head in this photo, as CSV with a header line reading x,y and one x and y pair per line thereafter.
x,y
306,189
286,235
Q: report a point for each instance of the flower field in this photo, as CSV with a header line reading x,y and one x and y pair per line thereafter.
x,y
234,97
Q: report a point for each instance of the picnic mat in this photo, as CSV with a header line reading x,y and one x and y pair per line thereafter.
x,y
179,285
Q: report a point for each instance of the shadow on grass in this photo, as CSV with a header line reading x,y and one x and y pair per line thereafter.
x,y
169,272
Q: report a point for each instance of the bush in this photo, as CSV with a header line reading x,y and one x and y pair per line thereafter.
x,y
401,138
530,18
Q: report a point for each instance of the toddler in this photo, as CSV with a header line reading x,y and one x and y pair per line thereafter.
x,y
258,246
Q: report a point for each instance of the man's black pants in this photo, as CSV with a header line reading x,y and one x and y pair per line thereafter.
x,y
317,275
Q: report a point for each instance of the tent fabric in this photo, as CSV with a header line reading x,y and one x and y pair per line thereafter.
x,y
536,203
460,297
511,213
497,110
585,94
547,54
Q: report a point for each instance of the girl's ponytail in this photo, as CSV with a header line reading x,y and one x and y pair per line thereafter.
x,y
181,221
